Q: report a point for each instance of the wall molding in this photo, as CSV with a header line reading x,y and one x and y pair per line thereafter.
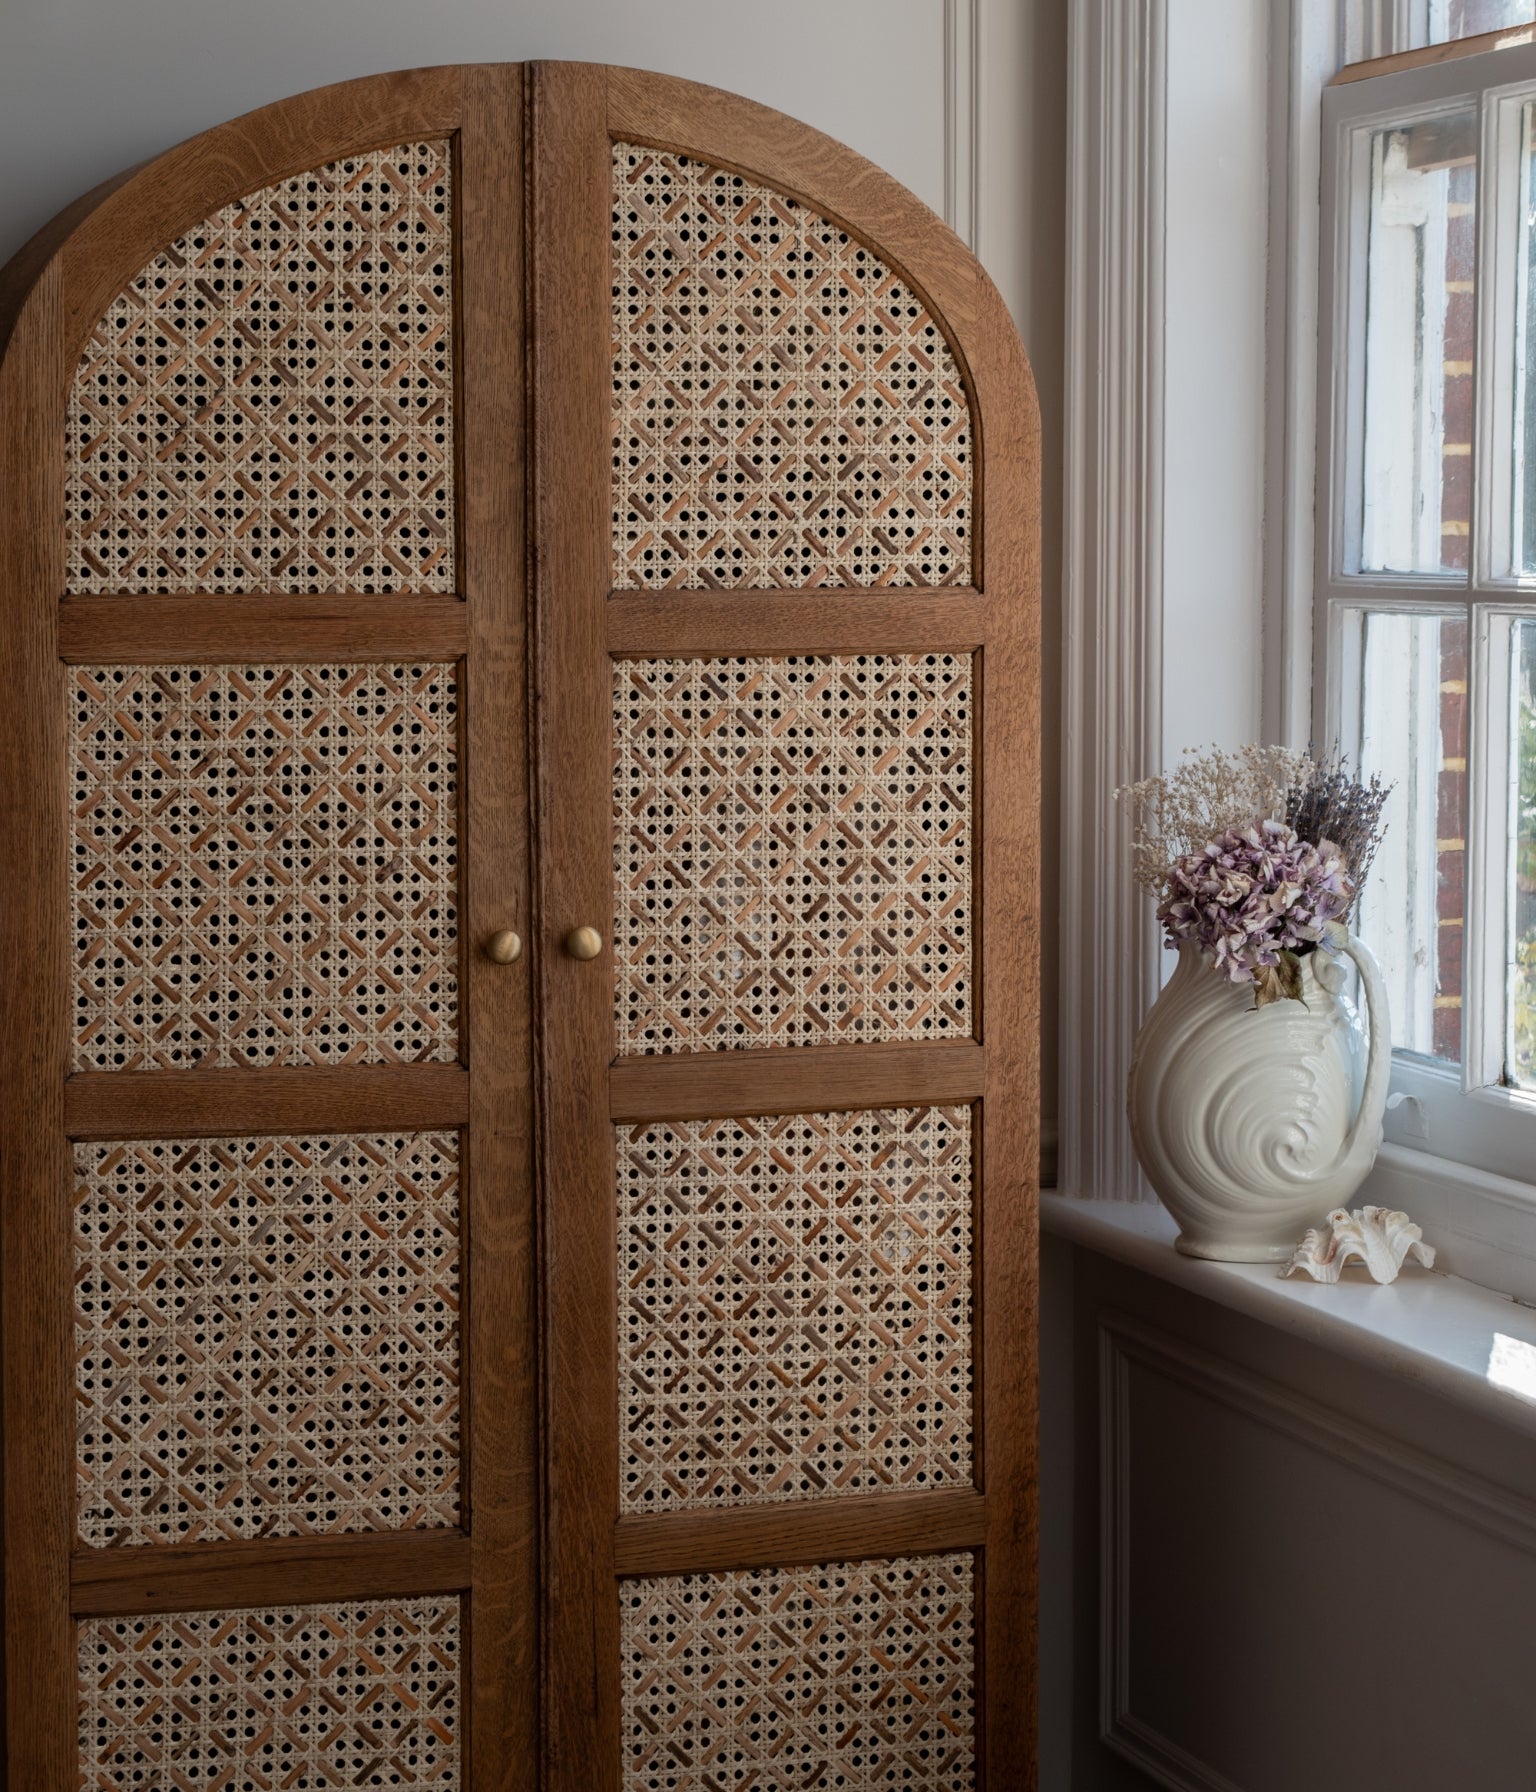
x,y
1112,554
1303,55
1126,1343
963,67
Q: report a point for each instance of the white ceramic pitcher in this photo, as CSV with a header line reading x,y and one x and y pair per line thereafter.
x,y
1252,1124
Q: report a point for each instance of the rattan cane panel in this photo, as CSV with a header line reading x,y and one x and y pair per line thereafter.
x,y
795,1307
264,865
853,1674
268,406
311,1696
266,1337
786,411
792,847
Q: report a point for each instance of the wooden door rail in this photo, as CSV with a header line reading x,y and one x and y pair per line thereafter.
x,y
705,624
268,629
856,1528
185,1577
795,1080
175,1104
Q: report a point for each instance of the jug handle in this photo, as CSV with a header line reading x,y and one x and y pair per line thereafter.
x,y
1378,1064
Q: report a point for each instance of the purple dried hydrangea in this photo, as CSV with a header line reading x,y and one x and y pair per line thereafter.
x,y
1255,899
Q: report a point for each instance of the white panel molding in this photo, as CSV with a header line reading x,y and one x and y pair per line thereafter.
x,y
962,119
1303,56
1125,1342
1112,554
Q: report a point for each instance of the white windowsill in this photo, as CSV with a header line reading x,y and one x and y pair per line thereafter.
x,y
1452,1337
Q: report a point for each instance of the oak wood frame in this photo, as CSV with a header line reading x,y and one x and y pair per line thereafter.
x,y
51,296
576,111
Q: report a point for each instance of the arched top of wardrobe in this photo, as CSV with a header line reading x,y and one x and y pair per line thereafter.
x,y
78,264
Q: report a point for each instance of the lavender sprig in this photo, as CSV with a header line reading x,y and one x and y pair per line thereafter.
x,y
1331,804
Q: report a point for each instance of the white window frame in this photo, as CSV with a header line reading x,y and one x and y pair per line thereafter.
x,y
1465,1115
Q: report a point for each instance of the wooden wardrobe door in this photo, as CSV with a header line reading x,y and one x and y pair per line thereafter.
x,y
785,526
269,1325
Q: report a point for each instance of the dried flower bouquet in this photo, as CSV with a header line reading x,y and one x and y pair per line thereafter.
x,y
1255,856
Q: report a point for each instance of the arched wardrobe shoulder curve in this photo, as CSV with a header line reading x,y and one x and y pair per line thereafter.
x,y
558,502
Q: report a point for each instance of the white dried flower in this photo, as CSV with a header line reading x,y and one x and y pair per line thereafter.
x,y
1208,792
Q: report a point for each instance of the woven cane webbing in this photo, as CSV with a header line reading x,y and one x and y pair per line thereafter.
x,y
264,865
266,1337
792,845
795,1307
786,412
269,405
853,1674
315,1696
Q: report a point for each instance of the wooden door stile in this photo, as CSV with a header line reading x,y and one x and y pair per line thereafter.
x,y
569,346
501,1346
36,1397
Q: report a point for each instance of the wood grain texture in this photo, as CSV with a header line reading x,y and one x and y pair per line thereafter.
x,y
272,629
36,1382
206,1104
501,1342
280,1571
794,1080
705,624
571,379
1008,1153
885,1524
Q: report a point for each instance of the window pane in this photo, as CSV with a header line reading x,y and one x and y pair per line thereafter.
x,y
1523,482
1416,503
1521,1057
1451,19
1376,27
1413,708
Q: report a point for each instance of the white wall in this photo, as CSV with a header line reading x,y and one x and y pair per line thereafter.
x,y
1216,274
89,86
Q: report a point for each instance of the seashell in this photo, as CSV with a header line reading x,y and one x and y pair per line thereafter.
x,y
1379,1237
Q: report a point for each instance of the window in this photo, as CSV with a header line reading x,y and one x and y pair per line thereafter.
x,y
1426,575
1378,27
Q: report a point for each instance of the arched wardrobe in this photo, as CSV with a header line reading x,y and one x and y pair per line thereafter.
x,y
521,910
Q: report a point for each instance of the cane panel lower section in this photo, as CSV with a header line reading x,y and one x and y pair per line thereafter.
x,y
795,1307
340,1696
792,850
266,1337
264,865
853,1674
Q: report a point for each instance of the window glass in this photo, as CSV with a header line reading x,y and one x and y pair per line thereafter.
x,y
1413,728
1415,499
1380,27
1523,442
1448,20
1521,906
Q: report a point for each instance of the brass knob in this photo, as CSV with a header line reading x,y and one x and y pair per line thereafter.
x,y
583,942
503,947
